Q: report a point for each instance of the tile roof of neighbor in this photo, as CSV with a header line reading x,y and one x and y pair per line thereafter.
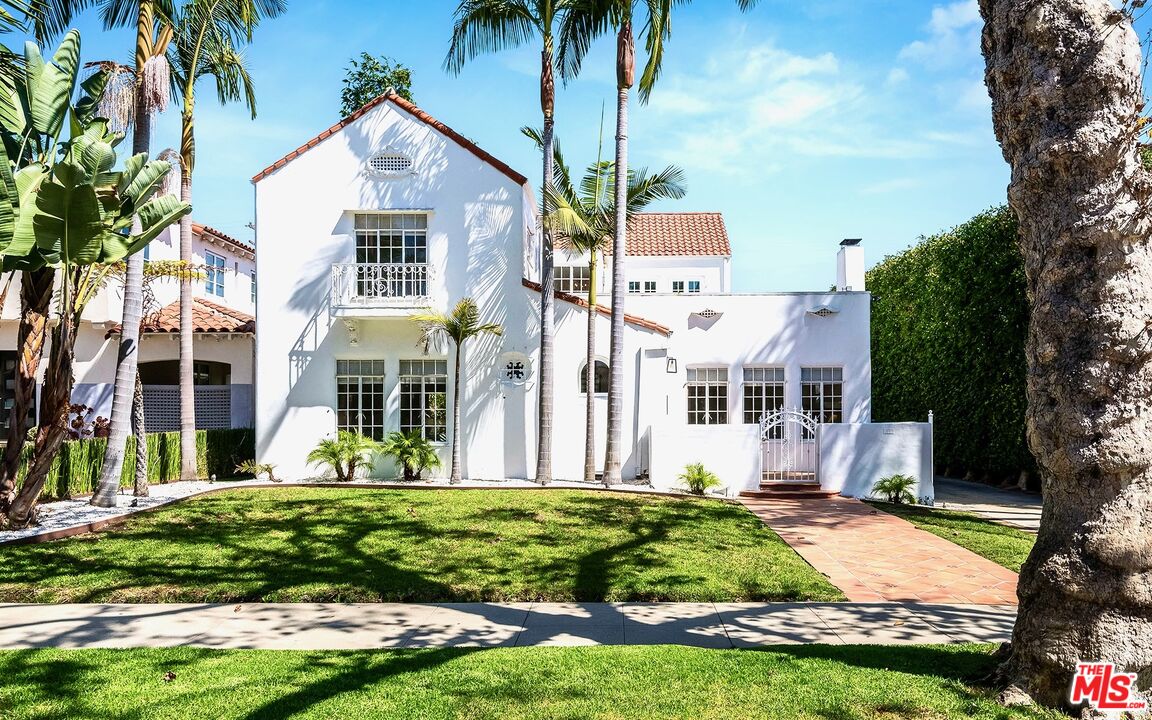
x,y
674,234
201,229
207,317
412,110
581,302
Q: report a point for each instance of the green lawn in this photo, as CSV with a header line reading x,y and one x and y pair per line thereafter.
x,y
350,545
1002,545
650,683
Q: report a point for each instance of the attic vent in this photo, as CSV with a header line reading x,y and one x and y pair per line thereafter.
x,y
823,311
708,314
389,164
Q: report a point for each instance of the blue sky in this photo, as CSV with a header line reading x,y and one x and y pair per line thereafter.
x,y
803,121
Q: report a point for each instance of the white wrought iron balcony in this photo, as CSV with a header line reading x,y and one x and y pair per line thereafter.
x,y
388,286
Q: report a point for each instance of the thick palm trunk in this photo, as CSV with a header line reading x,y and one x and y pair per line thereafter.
x,y
547,276
590,379
140,482
36,290
613,451
1065,80
128,355
188,469
55,402
455,477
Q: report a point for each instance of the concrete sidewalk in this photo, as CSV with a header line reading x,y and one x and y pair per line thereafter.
x,y
1007,507
307,626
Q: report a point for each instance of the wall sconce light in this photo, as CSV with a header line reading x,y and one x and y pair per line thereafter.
x,y
672,366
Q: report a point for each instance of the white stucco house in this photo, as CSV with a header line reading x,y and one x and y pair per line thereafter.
x,y
224,318
390,212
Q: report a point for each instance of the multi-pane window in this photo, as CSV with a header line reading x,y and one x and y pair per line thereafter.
x,y
763,393
599,378
214,273
633,286
678,286
708,396
253,276
693,286
572,279
649,287
822,393
360,397
392,252
424,398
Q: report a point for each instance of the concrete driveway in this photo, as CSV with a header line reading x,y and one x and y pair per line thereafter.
x,y
1007,507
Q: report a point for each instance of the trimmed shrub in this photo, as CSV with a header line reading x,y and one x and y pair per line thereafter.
x,y
76,469
949,323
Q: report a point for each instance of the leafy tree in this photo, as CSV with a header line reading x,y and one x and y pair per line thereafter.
x,y
345,454
456,327
1065,80
369,77
585,21
584,219
205,45
484,26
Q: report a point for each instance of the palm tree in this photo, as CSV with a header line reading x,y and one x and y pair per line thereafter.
x,y
203,46
584,21
458,326
484,26
344,454
584,217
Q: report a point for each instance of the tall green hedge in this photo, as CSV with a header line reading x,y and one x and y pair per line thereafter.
x,y
76,470
949,322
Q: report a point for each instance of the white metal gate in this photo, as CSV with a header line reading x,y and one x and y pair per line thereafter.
x,y
788,446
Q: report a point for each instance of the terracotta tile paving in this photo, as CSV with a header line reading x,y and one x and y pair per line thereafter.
x,y
876,557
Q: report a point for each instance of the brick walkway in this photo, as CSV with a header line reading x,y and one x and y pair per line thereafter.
x,y
876,557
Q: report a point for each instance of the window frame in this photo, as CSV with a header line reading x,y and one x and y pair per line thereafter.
x,y
649,287
633,287
712,389
377,391
822,396
431,379
582,378
695,287
214,269
573,279
763,389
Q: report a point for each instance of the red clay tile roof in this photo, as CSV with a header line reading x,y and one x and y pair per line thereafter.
x,y
412,110
666,234
581,302
207,317
201,229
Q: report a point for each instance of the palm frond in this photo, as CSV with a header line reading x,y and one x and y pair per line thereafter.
x,y
485,26
583,22
643,190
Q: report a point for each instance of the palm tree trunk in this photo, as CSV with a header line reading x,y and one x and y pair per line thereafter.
x,y
188,469
590,379
36,290
128,356
547,275
456,476
625,71
55,402
1081,191
140,482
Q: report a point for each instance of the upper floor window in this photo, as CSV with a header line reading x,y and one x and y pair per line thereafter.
x,y
572,279
599,379
693,286
214,273
633,286
649,287
392,239
708,396
678,286
822,393
253,276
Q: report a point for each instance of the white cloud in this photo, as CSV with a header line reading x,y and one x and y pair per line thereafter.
x,y
953,37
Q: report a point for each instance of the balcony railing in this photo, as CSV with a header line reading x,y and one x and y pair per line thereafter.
x,y
395,285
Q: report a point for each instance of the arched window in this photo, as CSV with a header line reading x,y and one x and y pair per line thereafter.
x,y
600,374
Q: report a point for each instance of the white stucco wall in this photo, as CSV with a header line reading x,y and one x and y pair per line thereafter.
x,y
853,457
477,234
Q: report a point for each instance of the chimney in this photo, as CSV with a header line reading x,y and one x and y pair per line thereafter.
x,y
850,266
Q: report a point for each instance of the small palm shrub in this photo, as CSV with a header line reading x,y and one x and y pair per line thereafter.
x,y
345,454
255,469
698,479
896,489
413,452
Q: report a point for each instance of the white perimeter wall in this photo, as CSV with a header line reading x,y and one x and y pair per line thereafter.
x,y
853,457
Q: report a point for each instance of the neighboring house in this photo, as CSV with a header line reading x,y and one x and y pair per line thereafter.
x,y
224,321
390,212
